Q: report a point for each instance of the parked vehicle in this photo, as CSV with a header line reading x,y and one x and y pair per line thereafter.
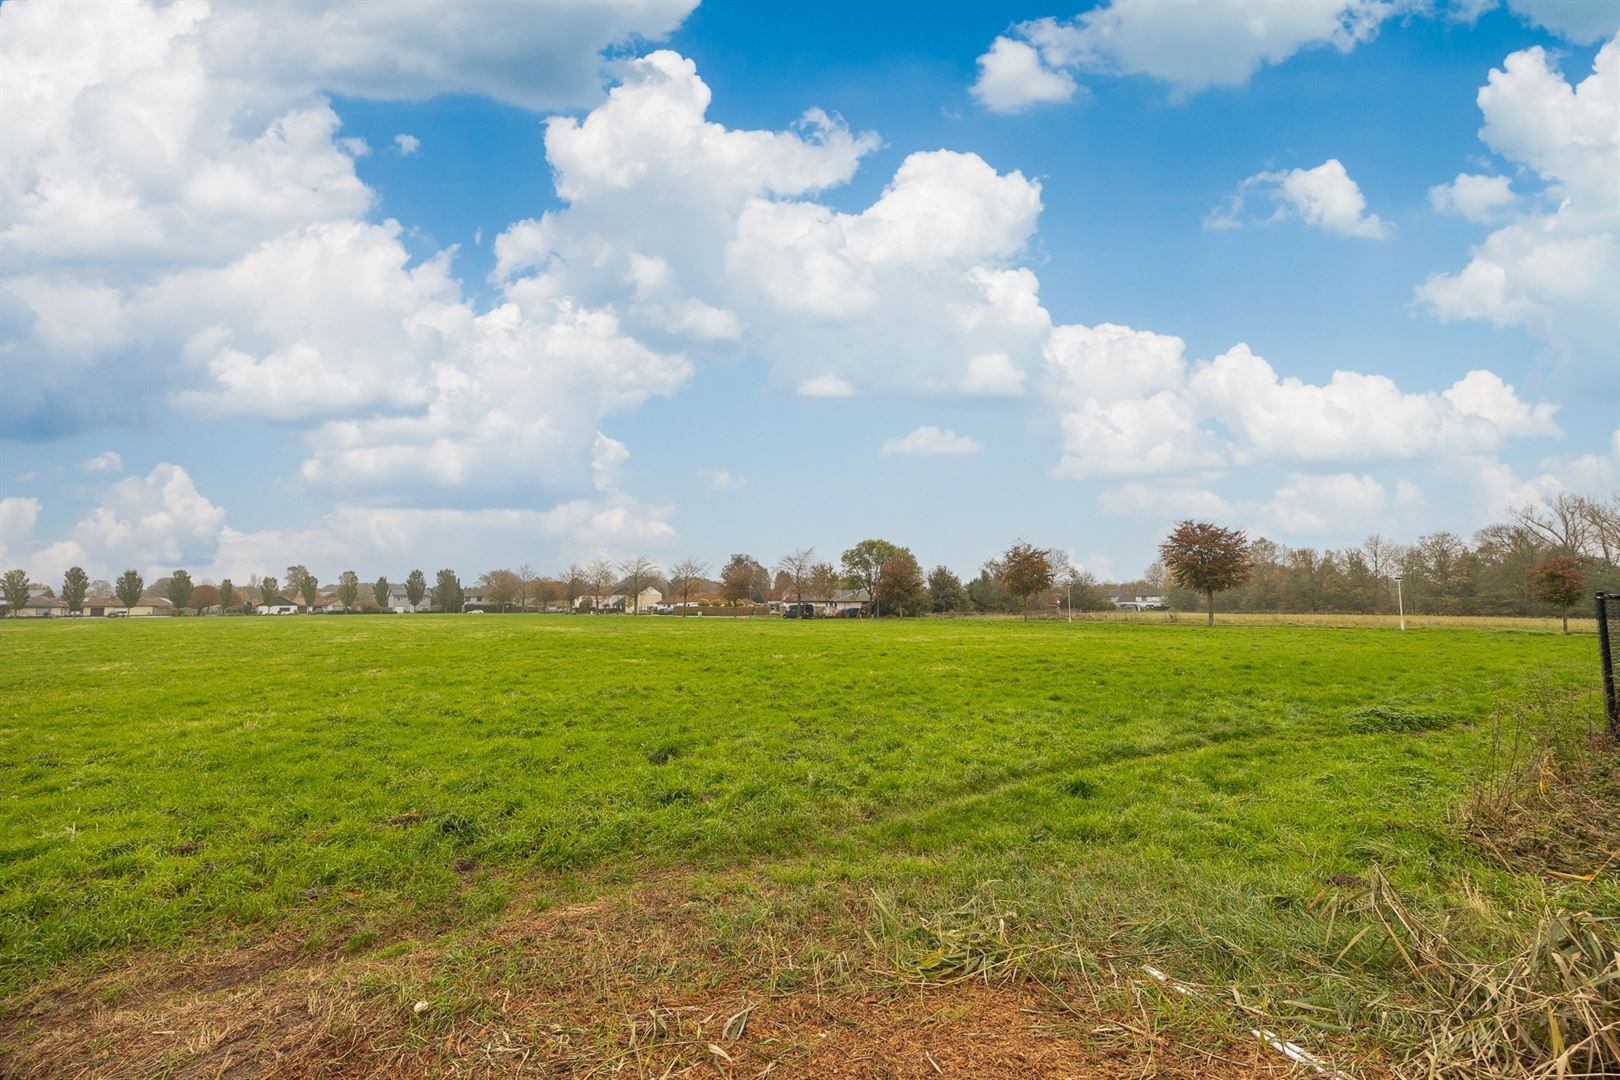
x,y
799,611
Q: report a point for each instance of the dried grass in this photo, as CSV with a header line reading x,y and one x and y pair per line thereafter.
x,y
1552,1009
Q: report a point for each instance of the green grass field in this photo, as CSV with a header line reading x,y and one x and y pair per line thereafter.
x,y
1169,790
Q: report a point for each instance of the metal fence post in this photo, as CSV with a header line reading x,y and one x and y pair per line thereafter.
x,y
1608,608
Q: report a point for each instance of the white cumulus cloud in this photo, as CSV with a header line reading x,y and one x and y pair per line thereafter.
x,y
1325,197
407,144
929,439
1552,268
1130,404
106,461
1475,197
1583,21
1192,46
722,480
1013,77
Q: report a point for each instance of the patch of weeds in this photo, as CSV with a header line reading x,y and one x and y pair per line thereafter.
x,y
664,753
455,825
1080,788
1393,720
1548,797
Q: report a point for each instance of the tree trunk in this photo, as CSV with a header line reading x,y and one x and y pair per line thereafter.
x,y
1211,595
1566,620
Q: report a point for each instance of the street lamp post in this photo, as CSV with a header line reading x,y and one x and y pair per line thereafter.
x,y
1071,599
1400,601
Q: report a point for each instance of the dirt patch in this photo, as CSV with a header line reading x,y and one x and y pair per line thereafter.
x,y
628,985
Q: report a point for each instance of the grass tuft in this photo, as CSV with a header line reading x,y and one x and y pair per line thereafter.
x,y
1393,720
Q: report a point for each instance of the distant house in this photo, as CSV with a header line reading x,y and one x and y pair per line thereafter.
x,y
699,600
40,606
478,600
152,605
281,605
643,602
1140,603
838,602
97,607
399,601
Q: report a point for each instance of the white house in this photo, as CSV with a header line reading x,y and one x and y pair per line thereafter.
x,y
643,602
279,606
400,603
40,606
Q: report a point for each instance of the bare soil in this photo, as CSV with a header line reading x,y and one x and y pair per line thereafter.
x,y
626,986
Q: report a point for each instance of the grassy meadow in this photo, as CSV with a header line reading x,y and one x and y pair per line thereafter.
x,y
1106,789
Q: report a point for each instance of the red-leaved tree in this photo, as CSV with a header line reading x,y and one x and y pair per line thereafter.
x,y
1558,582
1206,558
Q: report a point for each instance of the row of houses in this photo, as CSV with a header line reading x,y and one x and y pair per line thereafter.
x,y
650,601
40,606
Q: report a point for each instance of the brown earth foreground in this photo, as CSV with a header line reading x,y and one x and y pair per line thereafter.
x,y
629,986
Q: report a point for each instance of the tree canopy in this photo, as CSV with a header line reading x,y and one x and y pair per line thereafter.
x,y
75,583
1206,558
129,587
15,585
1559,582
179,589
1025,571
863,566
447,594
348,589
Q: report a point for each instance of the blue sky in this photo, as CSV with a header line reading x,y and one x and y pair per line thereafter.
x,y
359,286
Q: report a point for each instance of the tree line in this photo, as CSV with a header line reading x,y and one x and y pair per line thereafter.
x,y
1543,558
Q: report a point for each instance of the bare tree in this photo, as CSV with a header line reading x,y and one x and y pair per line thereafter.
x,y
1383,558
685,575
525,580
1153,576
1563,522
573,583
1603,526
638,570
600,577
797,566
